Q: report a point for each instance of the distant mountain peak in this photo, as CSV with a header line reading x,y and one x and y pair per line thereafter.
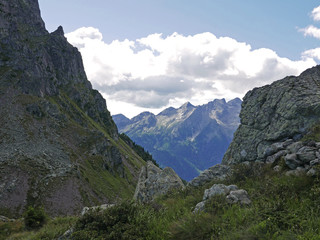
x,y
189,138
59,31
235,101
187,105
120,115
168,112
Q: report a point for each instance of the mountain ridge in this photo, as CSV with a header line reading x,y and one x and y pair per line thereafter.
x,y
176,136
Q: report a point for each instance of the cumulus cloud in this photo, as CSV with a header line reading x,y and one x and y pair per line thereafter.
x,y
316,14
311,30
312,53
159,71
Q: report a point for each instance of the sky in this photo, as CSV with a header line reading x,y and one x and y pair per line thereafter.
x,y
147,55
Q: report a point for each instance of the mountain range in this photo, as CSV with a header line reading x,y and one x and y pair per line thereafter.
x,y
189,139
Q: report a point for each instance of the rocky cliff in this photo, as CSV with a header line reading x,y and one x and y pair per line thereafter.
x,y
189,139
276,116
59,146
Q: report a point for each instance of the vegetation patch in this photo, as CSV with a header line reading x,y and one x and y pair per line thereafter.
x,y
35,217
283,207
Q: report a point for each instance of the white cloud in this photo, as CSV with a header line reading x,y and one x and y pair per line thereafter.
x,y
159,71
312,53
311,31
316,14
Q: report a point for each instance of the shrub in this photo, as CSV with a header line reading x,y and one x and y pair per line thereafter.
x,y
35,217
126,220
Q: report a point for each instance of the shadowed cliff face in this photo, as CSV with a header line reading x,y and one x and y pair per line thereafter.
x,y
59,146
286,109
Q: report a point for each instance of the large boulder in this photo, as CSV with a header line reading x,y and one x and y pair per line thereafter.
x,y
286,109
231,193
154,182
218,189
238,196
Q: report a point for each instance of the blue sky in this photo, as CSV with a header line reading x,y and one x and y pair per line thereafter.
x,y
128,29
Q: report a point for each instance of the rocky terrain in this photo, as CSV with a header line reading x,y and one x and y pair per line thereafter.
x,y
232,193
275,116
59,146
189,139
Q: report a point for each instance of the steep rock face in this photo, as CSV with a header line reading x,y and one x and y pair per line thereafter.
x,y
154,182
188,139
59,146
286,109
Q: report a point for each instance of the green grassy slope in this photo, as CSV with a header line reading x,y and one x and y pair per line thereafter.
x,y
283,207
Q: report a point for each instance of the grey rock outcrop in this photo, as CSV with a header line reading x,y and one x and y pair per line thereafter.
x,y
218,189
286,109
57,136
299,157
232,195
216,172
154,182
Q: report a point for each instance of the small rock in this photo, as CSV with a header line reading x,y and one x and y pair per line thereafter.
x,y
306,154
277,168
287,143
275,157
294,147
199,207
311,143
273,148
296,172
238,196
312,172
66,235
314,162
306,167
243,153
292,161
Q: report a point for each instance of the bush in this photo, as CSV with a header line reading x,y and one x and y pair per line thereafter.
x,y
126,220
35,217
